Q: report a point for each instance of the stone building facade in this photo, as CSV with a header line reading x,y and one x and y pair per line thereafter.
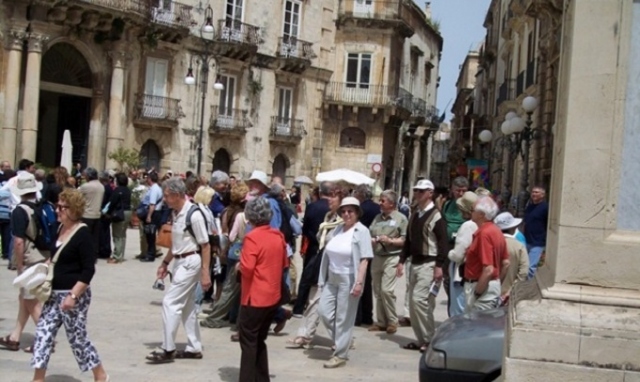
x,y
113,72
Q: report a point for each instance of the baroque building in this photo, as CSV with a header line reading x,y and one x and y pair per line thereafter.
x,y
235,85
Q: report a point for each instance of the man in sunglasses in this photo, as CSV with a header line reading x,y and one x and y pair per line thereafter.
x,y
426,244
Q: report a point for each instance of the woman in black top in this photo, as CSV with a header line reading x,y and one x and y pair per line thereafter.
x,y
71,296
120,213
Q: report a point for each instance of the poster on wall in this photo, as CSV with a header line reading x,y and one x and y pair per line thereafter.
x,y
479,173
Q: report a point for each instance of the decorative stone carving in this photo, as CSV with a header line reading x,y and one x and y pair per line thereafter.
x,y
74,16
90,20
14,39
118,58
37,42
57,14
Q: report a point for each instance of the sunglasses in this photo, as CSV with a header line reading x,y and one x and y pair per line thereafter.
x,y
61,207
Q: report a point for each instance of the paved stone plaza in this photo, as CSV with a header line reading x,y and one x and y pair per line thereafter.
x,y
125,325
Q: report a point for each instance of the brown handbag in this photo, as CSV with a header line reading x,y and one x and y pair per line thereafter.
x,y
164,236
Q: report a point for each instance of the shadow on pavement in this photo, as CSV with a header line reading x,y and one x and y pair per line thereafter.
x,y
61,378
229,374
157,345
400,340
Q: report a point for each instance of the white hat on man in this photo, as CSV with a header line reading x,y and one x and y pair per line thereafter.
x,y
506,221
259,176
424,184
25,184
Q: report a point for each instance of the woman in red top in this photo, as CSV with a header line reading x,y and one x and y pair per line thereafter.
x,y
262,261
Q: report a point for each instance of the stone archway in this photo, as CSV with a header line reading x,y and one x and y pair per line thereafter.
x,y
66,91
280,165
150,155
222,161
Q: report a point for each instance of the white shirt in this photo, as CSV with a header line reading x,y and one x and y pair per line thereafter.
x,y
181,240
339,253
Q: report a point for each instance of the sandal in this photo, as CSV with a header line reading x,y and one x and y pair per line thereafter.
x,y
158,357
411,346
297,343
183,354
424,348
235,337
9,344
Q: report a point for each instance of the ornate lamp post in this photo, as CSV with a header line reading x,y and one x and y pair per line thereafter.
x,y
206,58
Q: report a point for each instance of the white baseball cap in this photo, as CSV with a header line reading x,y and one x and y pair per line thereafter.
x,y
424,184
506,221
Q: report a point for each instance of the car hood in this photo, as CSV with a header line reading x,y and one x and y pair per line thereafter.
x,y
474,341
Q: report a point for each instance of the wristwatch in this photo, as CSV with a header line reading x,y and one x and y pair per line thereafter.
x,y
73,296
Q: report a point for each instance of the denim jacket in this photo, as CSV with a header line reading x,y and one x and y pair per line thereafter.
x,y
361,248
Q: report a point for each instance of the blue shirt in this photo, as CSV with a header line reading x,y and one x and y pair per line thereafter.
x,y
276,219
535,224
217,205
153,196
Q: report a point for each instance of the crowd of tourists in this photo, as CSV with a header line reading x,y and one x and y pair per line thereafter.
x,y
230,243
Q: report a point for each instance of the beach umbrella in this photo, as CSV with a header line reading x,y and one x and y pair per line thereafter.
x,y
303,179
345,176
66,159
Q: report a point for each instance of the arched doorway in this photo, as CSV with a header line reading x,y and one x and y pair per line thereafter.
x,y
221,161
150,155
279,168
65,104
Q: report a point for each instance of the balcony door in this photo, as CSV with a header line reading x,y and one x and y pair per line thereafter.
x,y
290,29
363,7
226,102
283,123
357,83
155,88
162,11
232,29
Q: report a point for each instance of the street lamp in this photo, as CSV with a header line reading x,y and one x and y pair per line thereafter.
x,y
206,57
523,135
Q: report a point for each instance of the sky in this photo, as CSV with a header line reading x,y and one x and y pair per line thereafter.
x,y
461,28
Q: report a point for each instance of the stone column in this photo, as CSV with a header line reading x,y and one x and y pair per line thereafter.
x,y
14,44
115,128
96,150
579,318
32,96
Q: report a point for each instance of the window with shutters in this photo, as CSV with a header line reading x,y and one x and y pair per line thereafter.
x,y
226,103
358,70
285,103
155,87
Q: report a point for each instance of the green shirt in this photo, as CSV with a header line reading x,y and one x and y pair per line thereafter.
x,y
393,226
454,218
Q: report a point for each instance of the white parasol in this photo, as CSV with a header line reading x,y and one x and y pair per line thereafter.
x,y
303,179
66,159
346,176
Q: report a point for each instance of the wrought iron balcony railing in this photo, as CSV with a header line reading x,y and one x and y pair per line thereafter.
x,y
138,7
293,47
506,91
228,120
367,95
404,99
419,107
157,108
382,10
235,31
287,128
172,14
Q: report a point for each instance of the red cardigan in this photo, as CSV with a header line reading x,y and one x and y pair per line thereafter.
x,y
263,258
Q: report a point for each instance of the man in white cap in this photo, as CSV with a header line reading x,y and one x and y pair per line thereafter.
x,y
427,245
518,256
25,254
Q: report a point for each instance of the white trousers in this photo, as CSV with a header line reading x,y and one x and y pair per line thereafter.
x,y
488,300
337,309
311,319
179,304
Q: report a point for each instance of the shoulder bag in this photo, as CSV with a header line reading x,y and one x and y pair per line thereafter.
x,y
43,291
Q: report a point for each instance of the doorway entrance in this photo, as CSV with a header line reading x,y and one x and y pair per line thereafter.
x,y
222,161
279,168
65,104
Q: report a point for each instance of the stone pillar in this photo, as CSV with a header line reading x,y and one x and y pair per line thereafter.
x,y
32,96
579,318
96,150
115,136
15,44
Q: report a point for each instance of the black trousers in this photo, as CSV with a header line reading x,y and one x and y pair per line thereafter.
x,y
94,228
151,242
308,279
365,305
253,327
104,252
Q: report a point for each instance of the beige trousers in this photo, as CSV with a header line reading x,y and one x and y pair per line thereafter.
x,y
421,302
488,300
383,278
311,319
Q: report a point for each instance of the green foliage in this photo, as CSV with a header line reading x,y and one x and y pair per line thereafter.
x,y
127,159
435,24
40,166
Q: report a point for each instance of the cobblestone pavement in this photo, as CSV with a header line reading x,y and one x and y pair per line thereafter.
x,y
125,324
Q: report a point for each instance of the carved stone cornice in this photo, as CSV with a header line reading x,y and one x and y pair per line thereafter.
x,y
14,39
36,42
539,9
119,58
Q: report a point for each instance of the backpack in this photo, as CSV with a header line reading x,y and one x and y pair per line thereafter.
x,y
187,222
285,223
46,220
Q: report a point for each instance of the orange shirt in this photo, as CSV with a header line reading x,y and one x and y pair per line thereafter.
x,y
263,258
487,248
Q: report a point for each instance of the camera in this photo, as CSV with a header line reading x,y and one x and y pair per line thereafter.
x,y
159,285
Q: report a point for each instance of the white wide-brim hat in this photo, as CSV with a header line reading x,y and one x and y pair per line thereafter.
x,y
32,277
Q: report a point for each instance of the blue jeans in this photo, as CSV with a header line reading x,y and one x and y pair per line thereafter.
x,y
534,259
456,294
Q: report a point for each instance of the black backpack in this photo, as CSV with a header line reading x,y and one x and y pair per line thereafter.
x,y
285,223
195,207
46,220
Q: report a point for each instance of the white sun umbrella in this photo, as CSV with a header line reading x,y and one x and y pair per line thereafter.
x,y
346,176
67,151
303,179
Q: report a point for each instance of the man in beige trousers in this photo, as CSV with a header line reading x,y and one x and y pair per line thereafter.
x,y
427,245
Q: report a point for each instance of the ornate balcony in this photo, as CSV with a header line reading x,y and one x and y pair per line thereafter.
x,y
378,96
172,14
155,111
506,93
378,14
229,122
294,54
418,110
286,130
236,39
